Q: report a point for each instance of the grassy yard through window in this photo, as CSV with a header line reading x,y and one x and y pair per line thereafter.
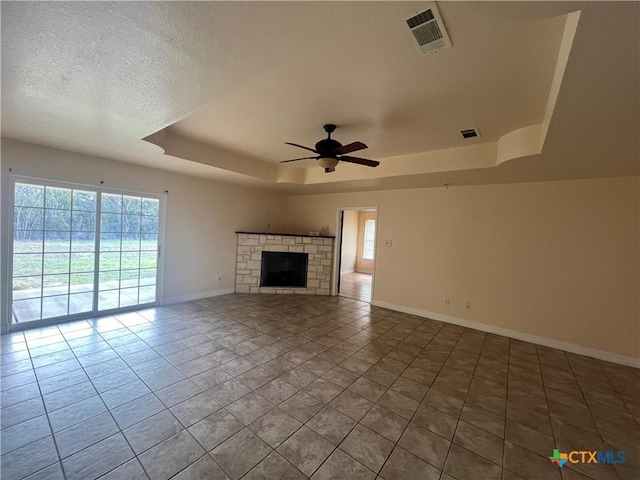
x,y
65,262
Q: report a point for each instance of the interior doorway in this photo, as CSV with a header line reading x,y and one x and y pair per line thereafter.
x,y
357,227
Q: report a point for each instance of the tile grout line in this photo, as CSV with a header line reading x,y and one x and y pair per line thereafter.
x,y
53,438
506,408
256,391
185,429
446,458
546,397
325,406
336,447
387,390
396,444
168,409
82,367
120,431
357,422
588,408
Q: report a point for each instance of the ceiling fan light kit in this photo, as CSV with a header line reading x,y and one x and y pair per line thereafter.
x,y
327,162
331,152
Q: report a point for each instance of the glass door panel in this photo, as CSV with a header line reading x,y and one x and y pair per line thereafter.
x,y
44,241
128,251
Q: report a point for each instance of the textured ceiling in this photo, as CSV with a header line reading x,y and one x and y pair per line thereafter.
x,y
382,90
220,86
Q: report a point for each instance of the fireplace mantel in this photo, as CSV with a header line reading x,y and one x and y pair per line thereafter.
x,y
249,261
289,234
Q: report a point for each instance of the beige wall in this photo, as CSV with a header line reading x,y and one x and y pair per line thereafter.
x,y
349,241
201,215
557,259
363,265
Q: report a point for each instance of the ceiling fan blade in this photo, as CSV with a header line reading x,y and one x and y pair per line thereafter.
x,y
296,159
352,147
301,146
360,161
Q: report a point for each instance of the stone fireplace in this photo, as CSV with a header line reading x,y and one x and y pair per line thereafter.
x,y
249,268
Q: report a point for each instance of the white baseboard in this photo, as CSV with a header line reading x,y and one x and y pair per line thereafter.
x,y
197,296
348,270
526,337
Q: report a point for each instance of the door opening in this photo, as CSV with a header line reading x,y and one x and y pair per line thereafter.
x,y
357,228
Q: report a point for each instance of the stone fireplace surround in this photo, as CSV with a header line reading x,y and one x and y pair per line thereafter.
x,y
249,261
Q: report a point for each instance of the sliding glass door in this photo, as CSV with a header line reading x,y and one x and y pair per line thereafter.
x,y
65,262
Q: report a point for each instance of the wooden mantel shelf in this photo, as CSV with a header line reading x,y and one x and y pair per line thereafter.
x,y
289,234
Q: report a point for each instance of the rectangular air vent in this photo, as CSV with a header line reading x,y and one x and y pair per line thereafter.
x,y
470,133
428,30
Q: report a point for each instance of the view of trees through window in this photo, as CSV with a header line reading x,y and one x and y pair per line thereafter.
x,y
29,218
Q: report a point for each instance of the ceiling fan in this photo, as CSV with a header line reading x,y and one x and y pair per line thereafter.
x,y
330,152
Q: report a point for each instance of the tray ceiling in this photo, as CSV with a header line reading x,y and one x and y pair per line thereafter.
x,y
215,88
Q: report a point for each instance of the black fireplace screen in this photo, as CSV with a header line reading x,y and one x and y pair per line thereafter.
x,y
284,269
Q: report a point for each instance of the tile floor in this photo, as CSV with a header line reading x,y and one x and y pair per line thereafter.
x,y
291,387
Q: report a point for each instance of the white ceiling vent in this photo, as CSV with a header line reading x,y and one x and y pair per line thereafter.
x,y
428,30
470,133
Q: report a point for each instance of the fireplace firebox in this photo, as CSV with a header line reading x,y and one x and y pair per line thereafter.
x,y
284,269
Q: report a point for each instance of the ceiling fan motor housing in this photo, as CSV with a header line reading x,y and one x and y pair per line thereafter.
x,y
327,146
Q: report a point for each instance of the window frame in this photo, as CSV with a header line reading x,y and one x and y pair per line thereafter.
x,y
369,243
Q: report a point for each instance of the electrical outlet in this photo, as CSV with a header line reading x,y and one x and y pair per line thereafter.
x,y
221,277
468,305
388,243
447,302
